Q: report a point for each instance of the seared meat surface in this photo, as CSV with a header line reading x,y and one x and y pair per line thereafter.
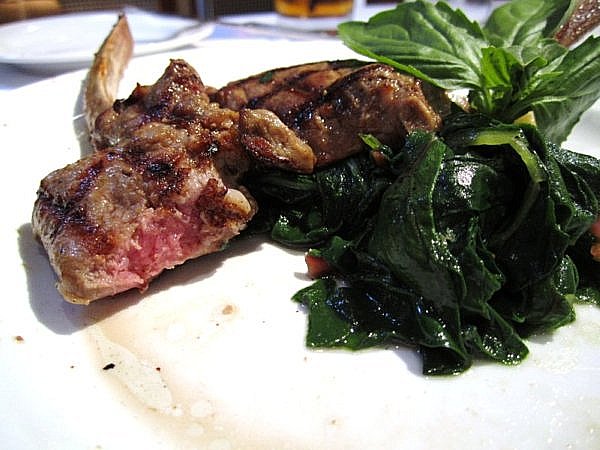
x,y
285,89
161,189
272,143
327,105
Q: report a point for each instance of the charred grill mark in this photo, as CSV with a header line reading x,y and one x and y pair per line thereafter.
x,y
165,178
159,169
70,213
94,239
336,99
156,112
87,181
292,84
254,91
304,115
67,210
288,99
289,94
162,172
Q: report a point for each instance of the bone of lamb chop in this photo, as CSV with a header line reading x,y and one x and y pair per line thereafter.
x,y
584,18
104,76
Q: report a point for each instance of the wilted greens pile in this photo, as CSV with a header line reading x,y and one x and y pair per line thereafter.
x,y
463,242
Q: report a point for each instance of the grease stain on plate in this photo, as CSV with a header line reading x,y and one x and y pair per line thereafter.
x,y
186,360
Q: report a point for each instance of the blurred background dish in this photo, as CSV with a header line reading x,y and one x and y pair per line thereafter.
x,y
69,41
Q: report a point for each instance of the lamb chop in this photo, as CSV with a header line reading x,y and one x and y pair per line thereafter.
x,y
327,104
161,189
163,183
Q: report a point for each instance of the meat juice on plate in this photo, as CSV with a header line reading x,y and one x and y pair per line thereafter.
x,y
195,350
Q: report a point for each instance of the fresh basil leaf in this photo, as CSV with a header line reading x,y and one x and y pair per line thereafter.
x,y
431,41
560,94
499,70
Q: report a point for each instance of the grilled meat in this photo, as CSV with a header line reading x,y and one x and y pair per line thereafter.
x,y
161,189
272,143
163,184
327,105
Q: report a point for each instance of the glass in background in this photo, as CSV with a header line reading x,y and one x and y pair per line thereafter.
x,y
213,9
322,15
478,10
313,8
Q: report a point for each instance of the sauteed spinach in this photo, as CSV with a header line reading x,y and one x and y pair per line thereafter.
x,y
464,242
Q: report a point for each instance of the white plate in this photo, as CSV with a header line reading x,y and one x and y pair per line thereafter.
x,y
213,356
69,41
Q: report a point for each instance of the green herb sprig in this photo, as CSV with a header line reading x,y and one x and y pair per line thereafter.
x,y
510,66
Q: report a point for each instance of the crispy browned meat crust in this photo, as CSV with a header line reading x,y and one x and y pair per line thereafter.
x,y
374,99
285,89
270,142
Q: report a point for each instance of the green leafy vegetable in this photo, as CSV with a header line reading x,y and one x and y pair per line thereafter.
x,y
466,243
468,240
